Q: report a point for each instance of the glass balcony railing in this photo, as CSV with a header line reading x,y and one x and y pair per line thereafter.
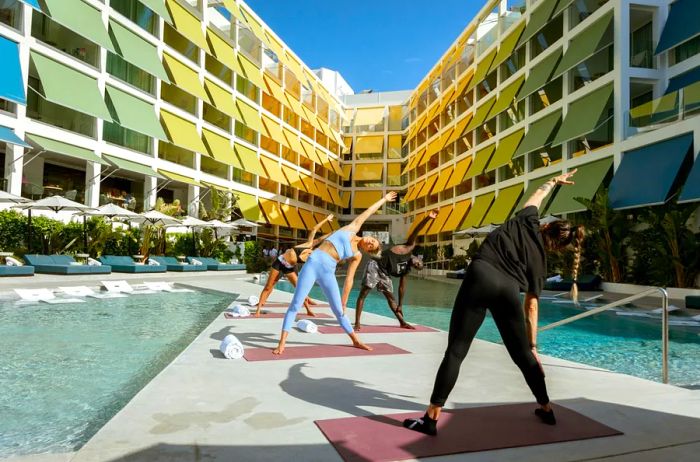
x,y
672,107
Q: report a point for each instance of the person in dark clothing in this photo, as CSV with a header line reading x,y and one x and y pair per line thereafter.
x,y
511,259
396,261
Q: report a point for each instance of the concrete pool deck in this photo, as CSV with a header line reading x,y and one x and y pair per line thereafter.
x,y
203,407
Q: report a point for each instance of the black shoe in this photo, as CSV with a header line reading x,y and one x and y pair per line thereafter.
x,y
546,417
423,425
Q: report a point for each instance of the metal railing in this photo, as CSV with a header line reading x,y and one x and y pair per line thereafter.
x,y
631,298
429,266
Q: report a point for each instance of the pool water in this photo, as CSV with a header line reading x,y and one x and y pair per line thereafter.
x,y
65,370
630,345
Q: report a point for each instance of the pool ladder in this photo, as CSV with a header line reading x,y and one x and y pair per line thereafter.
x,y
631,298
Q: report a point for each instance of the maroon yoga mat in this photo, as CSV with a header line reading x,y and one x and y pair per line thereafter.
x,y
321,351
277,316
369,329
382,438
286,305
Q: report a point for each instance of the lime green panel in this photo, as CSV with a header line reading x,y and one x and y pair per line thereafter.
x,y
506,97
585,115
124,164
503,205
482,69
539,74
60,84
539,133
506,149
594,38
531,188
137,51
135,114
66,149
178,177
81,18
480,160
476,213
538,18
587,181
508,45
158,6
480,114
249,206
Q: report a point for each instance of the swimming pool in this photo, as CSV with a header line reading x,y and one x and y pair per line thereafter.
x,y
630,345
65,370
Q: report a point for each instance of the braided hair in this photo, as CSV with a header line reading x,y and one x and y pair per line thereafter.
x,y
559,235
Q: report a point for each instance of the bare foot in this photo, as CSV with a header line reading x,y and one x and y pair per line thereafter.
x,y
257,314
407,326
310,313
358,327
362,346
278,351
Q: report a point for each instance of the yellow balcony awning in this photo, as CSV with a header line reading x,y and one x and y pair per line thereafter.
x,y
345,197
187,24
250,115
249,207
459,172
336,167
369,144
273,212
220,148
335,195
218,187
251,71
416,219
325,227
505,150
429,183
443,177
293,217
182,133
308,217
309,152
413,191
439,222
294,104
179,177
433,148
310,185
460,211
347,145
507,45
368,172
365,199
222,49
273,130
222,99
293,177
292,141
273,169
322,158
413,160
249,159
323,190
463,82
476,215
273,89
184,77
347,169
503,205
393,170
481,159
459,127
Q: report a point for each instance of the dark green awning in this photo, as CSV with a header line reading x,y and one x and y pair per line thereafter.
x,y
481,158
137,51
66,149
683,80
540,74
540,133
135,114
80,18
538,18
505,150
646,176
691,190
561,6
531,187
482,68
682,24
586,43
585,115
123,164
587,181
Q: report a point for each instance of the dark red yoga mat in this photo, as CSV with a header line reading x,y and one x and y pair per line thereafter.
x,y
277,316
321,351
369,329
286,305
383,438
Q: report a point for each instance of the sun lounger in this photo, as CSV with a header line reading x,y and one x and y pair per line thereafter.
x,y
63,264
24,270
44,296
164,287
85,291
124,288
213,264
123,264
587,282
172,264
692,301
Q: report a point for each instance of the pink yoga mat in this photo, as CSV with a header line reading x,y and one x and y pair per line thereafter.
x,y
369,329
278,316
383,438
286,305
321,351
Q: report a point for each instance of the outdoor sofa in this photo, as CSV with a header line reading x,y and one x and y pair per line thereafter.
x,y
24,270
172,264
587,282
63,264
212,264
124,264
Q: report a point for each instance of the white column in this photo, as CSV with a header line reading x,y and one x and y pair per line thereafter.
x,y
621,50
14,167
92,184
149,192
193,201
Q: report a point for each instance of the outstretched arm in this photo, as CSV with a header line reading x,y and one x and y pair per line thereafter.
x,y
350,278
318,240
542,192
356,224
310,240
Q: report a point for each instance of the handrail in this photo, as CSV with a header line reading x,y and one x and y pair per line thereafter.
x,y
664,321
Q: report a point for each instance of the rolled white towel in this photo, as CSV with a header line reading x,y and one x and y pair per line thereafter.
x,y
93,262
253,300
231,347
239,311
307,326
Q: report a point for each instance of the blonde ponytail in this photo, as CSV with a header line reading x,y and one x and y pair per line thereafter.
x,y
579,233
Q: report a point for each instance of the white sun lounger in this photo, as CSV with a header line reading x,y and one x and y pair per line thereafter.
x,y
85,291
670,309
124,288
164,287
45,296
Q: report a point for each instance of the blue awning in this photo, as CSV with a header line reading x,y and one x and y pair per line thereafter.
x,y
33,3
11,82
683,80
7,135
682,24
691,190
646,176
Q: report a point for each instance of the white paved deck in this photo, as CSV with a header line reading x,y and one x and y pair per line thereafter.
x,y
203,407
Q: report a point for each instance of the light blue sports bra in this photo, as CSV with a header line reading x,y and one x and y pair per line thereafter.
x,y
341,241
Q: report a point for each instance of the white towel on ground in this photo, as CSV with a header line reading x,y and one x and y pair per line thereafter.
x,y
238,311
231,347
307,326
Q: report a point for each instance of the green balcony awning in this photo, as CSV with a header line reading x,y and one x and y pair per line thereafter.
x,y
480,114
508,45
134,113
691,190
585,115
61,85
476,214
587,181
561,6
586,43
481,158
503,206
66,149
249,206
646,176
538,18
482,69
691,97
531,188
80,18
123,164
9,136
540,74
11,81
506,97
158,7
540,133
137,51
180,178
682,24
505,150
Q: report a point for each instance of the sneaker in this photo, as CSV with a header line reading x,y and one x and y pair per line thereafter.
x,y
423,425
546,417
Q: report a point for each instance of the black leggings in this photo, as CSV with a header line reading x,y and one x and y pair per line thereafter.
x,y
486,287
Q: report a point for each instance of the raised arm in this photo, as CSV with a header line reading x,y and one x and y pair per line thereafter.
x,y
542,192
310,240
356,224
403,249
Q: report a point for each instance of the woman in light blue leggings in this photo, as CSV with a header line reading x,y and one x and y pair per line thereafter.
x,y
343,244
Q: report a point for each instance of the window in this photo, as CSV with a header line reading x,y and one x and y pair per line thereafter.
x,y
213,167
178,97
271,104
217,69
137,13
122,136
180,44
686,50
64,39
642,47
544,157
11,14
552,32
243,177
246,87
549,94
593,68
216,117
245,133
250,45
127,72
175,154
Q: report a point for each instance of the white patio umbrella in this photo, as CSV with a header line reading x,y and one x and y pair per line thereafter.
x,y
55,204
193,223
112,211
155,217
245,223
218,224
7,198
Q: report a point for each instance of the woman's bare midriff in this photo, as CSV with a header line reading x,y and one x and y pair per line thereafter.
x,y
329,248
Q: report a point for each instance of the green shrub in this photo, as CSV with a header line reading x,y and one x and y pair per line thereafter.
x,y
253,258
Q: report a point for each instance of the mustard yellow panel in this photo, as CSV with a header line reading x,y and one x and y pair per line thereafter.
x,y
369,144
182,132
439,221
273,130
365,199
274,171
460,211
273,212
368,172
293,217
